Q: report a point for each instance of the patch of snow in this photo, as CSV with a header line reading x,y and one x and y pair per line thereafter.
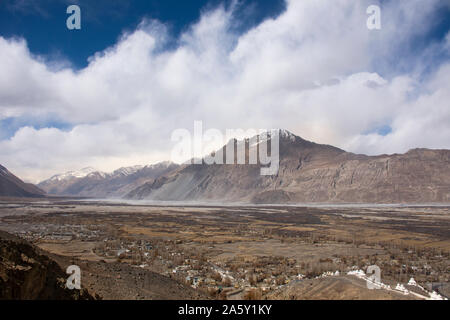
x,y
91,172
287,134
264,137
98,174
73,174
127,170
164,164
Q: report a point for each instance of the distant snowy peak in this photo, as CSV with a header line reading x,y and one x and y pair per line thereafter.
x,y
287,134
125,171
282,134
160,165
83,172
90,172
73,174
97,174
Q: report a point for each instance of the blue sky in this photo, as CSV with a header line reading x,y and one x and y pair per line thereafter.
x,y
111,94
42,22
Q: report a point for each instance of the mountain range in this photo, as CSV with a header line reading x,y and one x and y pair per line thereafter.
x,y
96,184
308,173
311,173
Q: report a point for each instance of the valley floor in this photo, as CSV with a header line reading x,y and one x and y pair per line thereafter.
x,y
244,252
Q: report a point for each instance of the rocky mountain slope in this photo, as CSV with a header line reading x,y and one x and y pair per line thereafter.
x,y
12,186
311,172
27,274
122,281
96,184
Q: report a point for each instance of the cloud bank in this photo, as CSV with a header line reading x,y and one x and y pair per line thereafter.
x,y
315,70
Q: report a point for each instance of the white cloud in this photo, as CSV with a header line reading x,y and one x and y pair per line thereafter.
x,y
315,70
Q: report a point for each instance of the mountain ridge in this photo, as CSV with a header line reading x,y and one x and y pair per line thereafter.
x,y
311,172
308,173
12,186
100,184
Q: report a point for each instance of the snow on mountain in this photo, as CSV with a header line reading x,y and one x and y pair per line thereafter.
x,y
73,174
97,174
282,133
160,165
287,135
90,172
125,171
90,183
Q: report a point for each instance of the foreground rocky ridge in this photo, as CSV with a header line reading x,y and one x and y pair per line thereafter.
x,y
30,273
27,274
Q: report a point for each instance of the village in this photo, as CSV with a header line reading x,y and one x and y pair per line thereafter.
x,y
268,251
255,277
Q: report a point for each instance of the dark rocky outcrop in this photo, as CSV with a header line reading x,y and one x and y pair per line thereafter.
x,y
27,274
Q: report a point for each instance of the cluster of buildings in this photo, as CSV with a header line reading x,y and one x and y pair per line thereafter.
x,y
66,232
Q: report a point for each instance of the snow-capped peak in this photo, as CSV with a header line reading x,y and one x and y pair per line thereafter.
x,y
287,134
127,170
97,174
93,173
282,133
73,174
164,164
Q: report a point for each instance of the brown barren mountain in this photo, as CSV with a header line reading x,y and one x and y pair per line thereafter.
x,y
11,186
311,173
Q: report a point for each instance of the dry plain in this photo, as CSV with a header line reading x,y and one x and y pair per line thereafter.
x,y
240,252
